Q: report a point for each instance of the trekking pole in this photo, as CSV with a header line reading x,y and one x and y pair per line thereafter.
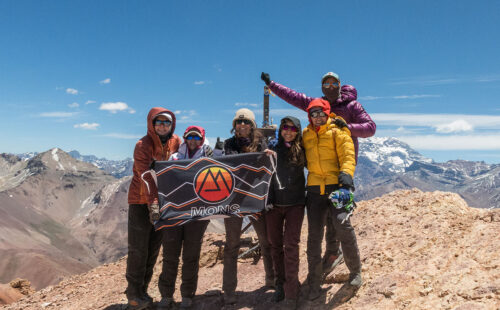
x,y
252,249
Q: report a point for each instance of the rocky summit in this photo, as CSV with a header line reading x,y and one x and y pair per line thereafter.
x,y
420,250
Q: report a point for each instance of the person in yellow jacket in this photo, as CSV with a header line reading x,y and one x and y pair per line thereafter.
x,y
331,163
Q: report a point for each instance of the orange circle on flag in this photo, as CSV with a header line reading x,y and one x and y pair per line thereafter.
x,y
214,184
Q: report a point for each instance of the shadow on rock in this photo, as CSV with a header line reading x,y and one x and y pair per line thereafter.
x,y
344,294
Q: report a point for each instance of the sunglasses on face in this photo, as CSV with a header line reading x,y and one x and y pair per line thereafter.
x,y
291,128
159,122
333,84
317,114
197,138
243,121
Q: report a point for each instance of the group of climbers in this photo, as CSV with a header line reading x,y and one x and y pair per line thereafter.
x,y
327,147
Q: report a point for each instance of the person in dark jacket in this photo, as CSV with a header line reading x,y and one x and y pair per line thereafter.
x,y
246,139
187,237
143,241
284,220
351,114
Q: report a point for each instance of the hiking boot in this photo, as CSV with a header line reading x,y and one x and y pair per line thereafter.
x,y
229,298
314,293
148,298
330,262
186,303
355,280
166,303
138,304
289,304
279,293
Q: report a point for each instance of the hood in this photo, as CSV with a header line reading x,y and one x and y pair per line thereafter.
x,y
348,93
318,102
296,123
151,130
195,128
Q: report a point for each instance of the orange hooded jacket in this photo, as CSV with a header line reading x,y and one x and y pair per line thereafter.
x,y
147,149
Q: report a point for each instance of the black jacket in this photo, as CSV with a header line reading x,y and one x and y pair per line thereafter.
x,y
291,177
232,147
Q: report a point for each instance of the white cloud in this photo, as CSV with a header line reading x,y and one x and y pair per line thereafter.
x,y
114,107
455,126
434,120
199,82
71,91
57,114
177,112
87,126
368,98
73,105
453,142
105,81
89,101
121,136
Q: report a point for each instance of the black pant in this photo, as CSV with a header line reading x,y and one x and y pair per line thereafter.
x,y
232,247
187,237
318,207
143,248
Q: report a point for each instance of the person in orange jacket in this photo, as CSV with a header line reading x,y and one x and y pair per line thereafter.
x,y
143,241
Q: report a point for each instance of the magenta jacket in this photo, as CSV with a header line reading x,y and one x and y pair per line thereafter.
x,y
358,121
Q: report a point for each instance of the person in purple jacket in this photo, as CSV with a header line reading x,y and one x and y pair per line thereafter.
x,y
343,103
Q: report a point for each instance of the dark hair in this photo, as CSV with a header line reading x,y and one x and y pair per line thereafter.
x,y
295,154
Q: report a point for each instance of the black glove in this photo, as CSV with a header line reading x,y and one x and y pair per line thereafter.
x,y
265,77
219,145
345,181
339,122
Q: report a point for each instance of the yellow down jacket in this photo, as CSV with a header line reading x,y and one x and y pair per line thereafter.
x,y
329,151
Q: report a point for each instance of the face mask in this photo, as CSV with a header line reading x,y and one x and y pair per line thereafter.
x,y
331,93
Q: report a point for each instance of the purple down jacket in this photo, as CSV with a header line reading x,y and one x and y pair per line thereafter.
x,y
358,121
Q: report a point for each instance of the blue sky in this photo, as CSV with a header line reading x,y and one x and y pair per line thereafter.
x,y
83,74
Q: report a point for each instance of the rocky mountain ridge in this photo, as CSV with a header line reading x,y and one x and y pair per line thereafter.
x,y
419,250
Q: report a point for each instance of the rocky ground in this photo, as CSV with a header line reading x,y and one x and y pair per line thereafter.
x,y
419,251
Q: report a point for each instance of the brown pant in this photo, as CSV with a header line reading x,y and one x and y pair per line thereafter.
x,y
283,230
187,237
232,247
143,249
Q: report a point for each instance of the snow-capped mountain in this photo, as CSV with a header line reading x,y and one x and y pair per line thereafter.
x,y
117,168
387,164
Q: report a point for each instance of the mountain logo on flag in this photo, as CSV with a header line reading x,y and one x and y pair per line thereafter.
x,y
214,184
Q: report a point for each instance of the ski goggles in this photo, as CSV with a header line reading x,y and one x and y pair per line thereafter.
x,y
316,114
243,121
332,84
291,128
197,138
159,122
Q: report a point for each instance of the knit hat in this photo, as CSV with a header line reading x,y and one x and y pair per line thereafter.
x,y
244,113
167,115
330,74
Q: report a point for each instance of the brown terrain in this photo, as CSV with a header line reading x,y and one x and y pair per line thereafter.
x,y
419,251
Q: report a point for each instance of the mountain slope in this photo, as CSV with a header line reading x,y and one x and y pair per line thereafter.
x,y
419,251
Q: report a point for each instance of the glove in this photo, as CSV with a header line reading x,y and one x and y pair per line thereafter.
x,y
265,77
339,122
345,181
154,212
219,145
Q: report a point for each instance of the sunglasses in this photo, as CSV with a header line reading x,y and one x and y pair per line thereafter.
x,y
243,121
159,122
291,128
197,138
334,84
317,114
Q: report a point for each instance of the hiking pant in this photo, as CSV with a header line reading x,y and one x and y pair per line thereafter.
x,y
332,244
318,207
187,237
232,248
283,231
143,248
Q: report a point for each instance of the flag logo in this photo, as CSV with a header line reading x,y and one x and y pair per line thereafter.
x,y
213,184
